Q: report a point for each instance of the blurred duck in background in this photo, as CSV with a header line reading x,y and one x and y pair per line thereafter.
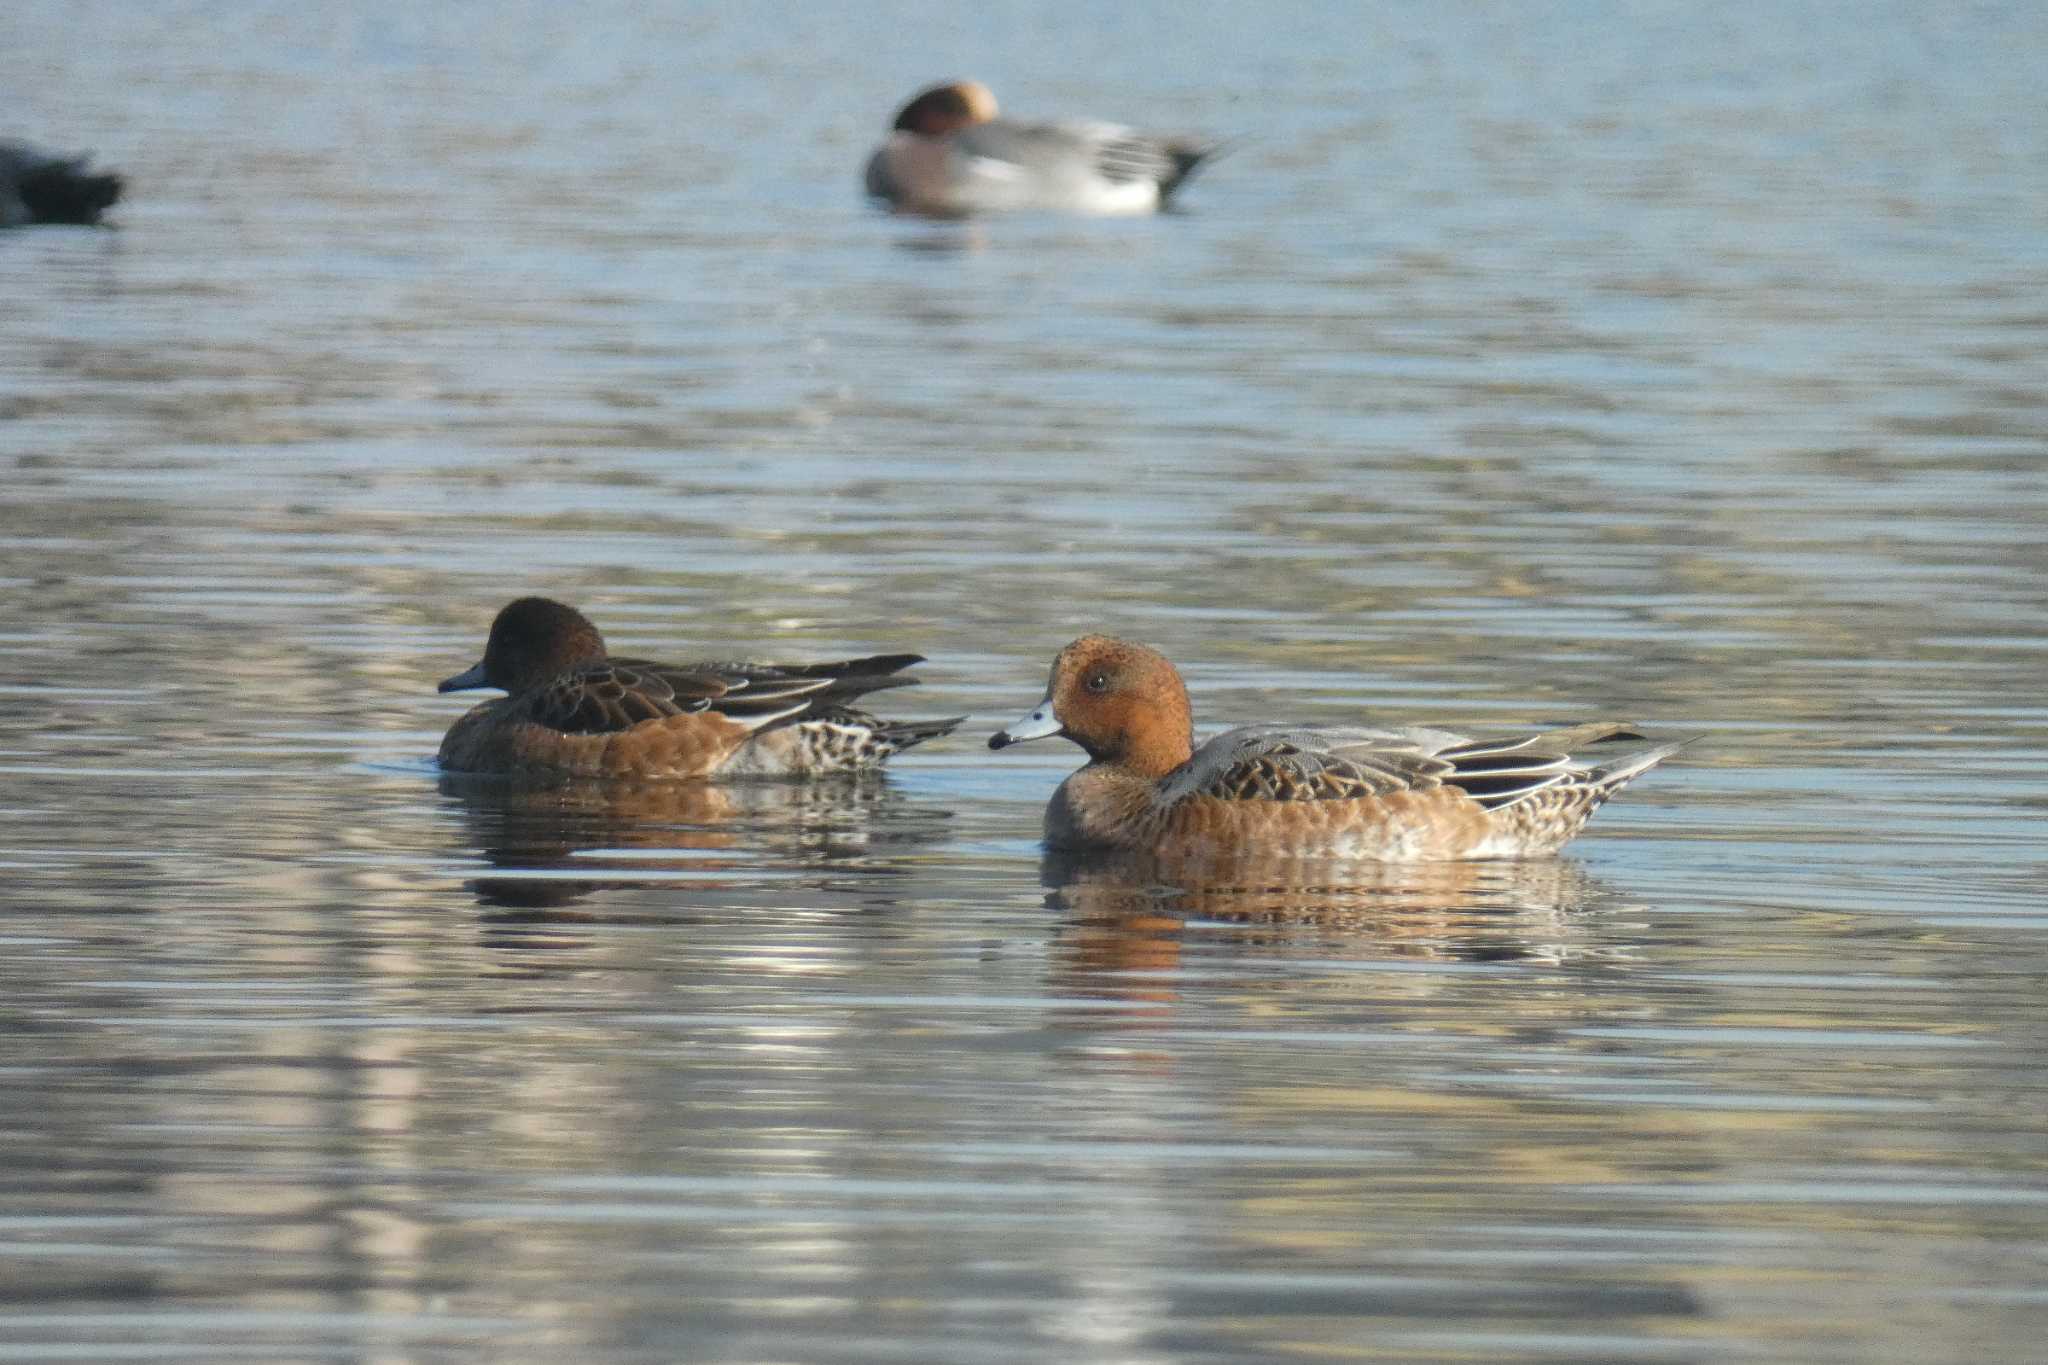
x,y
950,156
37,187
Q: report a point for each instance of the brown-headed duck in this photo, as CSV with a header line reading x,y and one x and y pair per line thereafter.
x,y
573,710
1403,795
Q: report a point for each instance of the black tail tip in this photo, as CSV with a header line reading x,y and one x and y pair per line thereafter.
x,y
1189,156
904,733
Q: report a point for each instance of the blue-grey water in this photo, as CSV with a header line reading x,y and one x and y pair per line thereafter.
x,y
1683,363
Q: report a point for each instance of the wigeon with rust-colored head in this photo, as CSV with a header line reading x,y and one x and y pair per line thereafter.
x,y
1402,795
950,155
571,709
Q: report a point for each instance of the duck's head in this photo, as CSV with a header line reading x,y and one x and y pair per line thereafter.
x,y
946,109
532,640
1123,703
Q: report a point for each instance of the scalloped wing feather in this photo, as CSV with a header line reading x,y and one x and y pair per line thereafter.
x,y
609,697
622,693
1262,764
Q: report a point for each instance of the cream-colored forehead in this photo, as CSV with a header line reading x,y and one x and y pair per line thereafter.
x,y
970,100
979,99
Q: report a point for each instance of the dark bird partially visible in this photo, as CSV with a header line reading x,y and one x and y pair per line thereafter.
x,y
37,187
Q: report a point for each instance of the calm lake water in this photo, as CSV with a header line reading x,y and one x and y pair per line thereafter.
x,y
1670,362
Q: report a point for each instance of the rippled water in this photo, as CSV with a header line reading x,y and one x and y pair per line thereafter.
x,y
1672,362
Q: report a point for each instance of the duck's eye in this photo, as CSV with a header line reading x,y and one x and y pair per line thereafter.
x,y
1098,682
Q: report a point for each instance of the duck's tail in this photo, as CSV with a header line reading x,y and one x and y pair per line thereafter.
x,y
1609,778
58,190
1184,156
899,735
1542,816
849,741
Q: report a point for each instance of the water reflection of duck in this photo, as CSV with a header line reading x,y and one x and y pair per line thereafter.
x,y
572,710
555,842
1129,912
1403,795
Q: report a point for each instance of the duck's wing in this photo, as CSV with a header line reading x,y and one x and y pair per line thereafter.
x,y
869,674
1125,155
835,683
620,693
1274,763
1111,151
1032,145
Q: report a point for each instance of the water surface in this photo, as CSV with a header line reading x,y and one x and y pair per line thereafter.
x,y
1663,362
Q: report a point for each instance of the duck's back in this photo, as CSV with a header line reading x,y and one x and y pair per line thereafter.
x,y
1406,795
636,718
